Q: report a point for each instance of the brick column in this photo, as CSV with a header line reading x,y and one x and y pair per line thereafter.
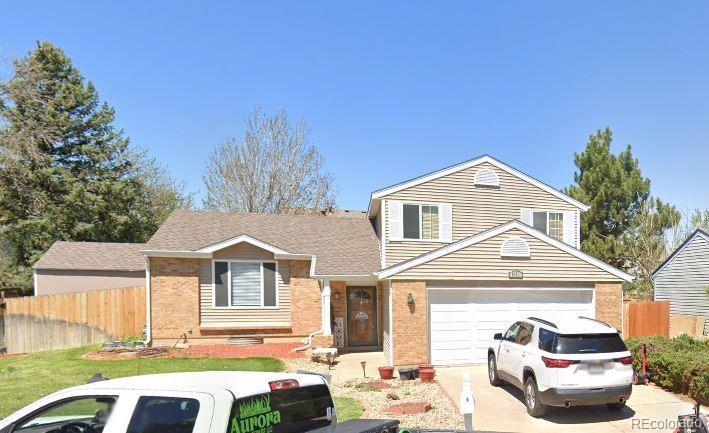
x,y
305,299
410,322
609,304
174,297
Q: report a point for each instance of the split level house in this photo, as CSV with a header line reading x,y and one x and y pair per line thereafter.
x,y
433,268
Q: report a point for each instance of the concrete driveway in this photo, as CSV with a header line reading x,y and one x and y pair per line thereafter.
x,y
502,409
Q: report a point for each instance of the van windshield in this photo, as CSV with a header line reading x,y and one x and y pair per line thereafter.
x,y
291,410
588,343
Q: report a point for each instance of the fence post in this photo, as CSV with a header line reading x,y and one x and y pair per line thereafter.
x,y
467,402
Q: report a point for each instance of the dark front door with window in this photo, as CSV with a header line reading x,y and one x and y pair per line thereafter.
x,y
361,316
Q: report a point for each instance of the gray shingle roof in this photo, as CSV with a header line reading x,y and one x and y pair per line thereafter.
x,y
105,256
342,246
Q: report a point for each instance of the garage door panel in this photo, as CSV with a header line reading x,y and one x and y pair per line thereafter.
x,y
463,321
452,316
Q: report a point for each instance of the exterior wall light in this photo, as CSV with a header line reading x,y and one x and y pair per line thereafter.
x,y
410,300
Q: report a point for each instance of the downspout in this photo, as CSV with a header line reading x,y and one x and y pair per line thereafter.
x,y
148,327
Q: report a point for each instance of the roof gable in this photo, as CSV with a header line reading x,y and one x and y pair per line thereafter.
x,y
380,193
514,225
698,233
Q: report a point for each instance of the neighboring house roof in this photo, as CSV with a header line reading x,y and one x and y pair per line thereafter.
x,y
99,256
471,163
487,234
341,246
695,234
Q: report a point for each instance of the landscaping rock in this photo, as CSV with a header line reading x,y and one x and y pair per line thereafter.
x,y
392,396
409,408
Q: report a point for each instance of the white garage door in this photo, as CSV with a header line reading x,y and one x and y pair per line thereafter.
x,y
463,321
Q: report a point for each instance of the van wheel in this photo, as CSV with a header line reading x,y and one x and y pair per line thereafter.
x,y
531,398
615,407
492,371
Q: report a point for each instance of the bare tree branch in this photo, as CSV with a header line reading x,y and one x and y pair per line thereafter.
x,y
273,169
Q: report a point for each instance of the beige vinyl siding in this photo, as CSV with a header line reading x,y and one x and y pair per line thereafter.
x,y
474,208
683,281
51,281
244,318
243,251
482,261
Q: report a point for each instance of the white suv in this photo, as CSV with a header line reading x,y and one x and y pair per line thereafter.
x,y
580,362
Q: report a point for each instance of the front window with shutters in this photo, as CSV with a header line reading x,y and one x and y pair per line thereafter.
x,y
551,223
421,221
245,284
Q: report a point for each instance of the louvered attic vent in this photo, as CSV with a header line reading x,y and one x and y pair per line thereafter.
x,y
515,247
487,178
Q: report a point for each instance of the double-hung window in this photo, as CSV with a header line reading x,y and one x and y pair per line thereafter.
x,y
551,223
421,221
245,284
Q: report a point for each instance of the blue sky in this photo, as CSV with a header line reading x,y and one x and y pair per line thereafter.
x,y
394,90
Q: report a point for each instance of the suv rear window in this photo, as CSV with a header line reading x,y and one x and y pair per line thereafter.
x,y
291,410
552,342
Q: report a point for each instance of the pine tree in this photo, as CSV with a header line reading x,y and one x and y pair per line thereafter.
x,y
65,171
617,192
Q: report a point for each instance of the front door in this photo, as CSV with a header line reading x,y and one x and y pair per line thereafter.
x,y
361,316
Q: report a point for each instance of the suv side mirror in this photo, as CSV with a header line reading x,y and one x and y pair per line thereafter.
x,y
497,336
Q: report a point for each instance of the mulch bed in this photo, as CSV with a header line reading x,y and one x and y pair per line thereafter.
x,y
267,350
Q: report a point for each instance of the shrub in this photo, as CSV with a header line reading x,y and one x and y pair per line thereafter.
x,y
676,364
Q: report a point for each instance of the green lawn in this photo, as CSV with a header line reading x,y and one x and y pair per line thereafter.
x,y
348,408
25,378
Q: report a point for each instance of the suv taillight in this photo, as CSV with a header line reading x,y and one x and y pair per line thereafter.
x,y
626,360
283,384
557,363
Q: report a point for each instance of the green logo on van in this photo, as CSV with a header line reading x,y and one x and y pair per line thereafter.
x,y
255,416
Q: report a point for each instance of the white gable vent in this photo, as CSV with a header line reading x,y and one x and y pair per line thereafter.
x,y
487,178
515,247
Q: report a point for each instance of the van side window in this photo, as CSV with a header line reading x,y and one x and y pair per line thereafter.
x,y
164,415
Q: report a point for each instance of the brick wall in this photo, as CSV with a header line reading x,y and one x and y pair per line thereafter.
x,y
410,323
305,299
609,306
174,297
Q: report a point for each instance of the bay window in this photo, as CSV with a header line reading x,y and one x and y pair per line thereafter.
x,y
245,284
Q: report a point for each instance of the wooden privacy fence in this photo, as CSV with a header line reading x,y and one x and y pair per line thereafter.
x,y
646,318
34,323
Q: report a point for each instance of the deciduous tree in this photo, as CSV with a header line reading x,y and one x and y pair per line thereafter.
x,y
272,169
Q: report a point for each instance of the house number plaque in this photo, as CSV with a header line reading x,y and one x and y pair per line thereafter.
x,y
515,275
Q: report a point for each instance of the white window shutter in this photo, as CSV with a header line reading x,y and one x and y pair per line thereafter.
x,y
445,226
570,228
395,215
526,216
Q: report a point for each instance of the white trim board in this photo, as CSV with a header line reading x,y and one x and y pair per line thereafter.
x,y
467,164
514,224
242,238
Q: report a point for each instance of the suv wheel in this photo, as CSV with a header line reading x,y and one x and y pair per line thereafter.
x,y
531,398
492,371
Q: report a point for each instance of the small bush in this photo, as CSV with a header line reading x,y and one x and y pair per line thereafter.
x,y
676,364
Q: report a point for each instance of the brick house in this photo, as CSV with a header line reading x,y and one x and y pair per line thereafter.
x,y
429,273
